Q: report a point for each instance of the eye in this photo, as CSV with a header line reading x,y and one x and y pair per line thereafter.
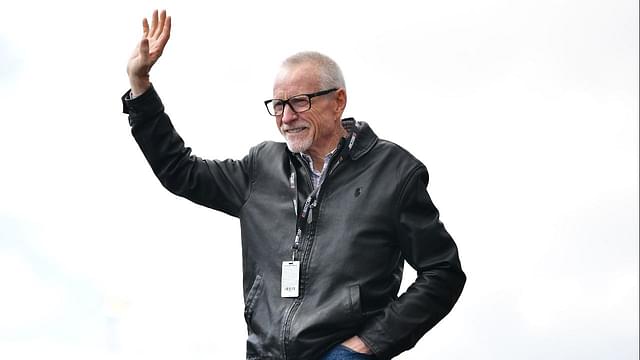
x,y
299,102
277,104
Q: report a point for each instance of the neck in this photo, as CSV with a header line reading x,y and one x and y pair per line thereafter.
x,y
318,158
318,153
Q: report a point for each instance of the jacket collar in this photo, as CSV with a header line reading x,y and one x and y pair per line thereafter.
x,y
365,137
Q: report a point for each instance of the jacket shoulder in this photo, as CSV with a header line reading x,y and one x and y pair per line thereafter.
x,y
268,150
399,155
267,157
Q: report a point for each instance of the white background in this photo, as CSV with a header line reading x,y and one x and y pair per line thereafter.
x,y
525,113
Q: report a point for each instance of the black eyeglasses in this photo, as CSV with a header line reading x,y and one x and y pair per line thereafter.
x,y
299,103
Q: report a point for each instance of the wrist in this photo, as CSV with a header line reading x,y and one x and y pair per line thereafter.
x,y
139,85
356,344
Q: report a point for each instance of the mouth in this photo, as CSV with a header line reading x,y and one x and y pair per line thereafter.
x,y
295,130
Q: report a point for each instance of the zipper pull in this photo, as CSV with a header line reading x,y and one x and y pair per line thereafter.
x,y
296,241
313,205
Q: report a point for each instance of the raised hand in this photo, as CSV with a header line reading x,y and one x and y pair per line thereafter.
x,y
148,51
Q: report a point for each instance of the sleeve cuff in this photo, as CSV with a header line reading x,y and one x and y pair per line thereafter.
x,y
142,106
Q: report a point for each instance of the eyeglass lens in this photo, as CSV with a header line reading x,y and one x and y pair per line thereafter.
x,y
298,103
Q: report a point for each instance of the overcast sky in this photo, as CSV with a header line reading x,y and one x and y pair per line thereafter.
x,y
524,112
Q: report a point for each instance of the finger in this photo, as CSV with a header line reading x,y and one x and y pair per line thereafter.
x,y
161,23
166,31
158,46
154,23
145,28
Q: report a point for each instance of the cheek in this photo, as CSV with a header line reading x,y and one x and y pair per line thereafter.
x,y
315,121
321,127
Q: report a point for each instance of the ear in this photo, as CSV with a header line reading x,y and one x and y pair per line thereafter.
x,y
341,100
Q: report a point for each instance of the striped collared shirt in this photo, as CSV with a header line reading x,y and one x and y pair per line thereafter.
x,y
315,174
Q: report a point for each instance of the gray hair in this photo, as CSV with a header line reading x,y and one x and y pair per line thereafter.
x,y
329,71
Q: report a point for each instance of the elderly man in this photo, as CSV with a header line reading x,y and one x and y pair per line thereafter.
x,y
328,218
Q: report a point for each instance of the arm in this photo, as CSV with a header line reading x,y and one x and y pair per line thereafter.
x,y
222,185
428,248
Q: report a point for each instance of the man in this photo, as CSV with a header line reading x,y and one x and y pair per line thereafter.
x,y
327,219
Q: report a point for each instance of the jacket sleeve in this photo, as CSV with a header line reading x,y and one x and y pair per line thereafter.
x,y
221,185
428,248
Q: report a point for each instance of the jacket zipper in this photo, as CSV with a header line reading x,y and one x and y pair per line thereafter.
x,y
293,308
310,234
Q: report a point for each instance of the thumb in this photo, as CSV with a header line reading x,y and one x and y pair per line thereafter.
x,y
144,50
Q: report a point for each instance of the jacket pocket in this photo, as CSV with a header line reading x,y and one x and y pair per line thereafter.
x,y
252,296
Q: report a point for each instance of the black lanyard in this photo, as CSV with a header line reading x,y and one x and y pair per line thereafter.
x,y
306,216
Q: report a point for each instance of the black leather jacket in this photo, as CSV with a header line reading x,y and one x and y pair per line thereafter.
x,y
372,214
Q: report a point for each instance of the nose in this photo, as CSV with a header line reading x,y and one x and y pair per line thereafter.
x,y
288,115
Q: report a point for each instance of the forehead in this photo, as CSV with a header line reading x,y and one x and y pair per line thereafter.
x,y
296,79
